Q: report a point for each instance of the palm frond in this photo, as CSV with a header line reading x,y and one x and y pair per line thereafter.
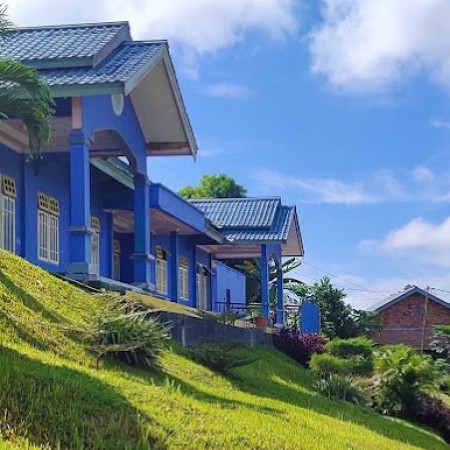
x,y
25,96
5,24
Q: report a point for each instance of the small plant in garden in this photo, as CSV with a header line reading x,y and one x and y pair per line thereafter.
x,y
220,358
402,375
128,331
340,388
299,347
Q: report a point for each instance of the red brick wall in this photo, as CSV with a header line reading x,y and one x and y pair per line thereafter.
x,y
402,322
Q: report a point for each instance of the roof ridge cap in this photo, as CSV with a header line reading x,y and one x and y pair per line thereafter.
x,y
234,198
73,25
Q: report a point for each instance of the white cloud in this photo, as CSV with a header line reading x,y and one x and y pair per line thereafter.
x,y
440,124
228,90
420,184
423,174
417,240
367,45
314,190
198,26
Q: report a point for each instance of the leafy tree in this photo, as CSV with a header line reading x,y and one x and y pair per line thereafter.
x,y
338,318
24,95
252,270
214,186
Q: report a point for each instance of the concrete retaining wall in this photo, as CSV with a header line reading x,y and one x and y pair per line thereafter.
x,y
193,331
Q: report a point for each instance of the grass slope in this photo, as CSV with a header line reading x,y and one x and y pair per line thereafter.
x,y
52,396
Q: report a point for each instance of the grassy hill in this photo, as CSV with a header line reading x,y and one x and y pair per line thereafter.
x,y
52,395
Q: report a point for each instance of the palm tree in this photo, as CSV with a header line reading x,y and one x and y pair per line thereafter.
x,y
24,95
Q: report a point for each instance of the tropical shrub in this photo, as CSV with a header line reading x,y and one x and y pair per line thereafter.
x,y
299,347
326,364
349,348
402,375
346,356
440,343
129,332
220,358
433,412
336,387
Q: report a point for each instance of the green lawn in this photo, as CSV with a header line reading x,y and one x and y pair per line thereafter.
x,y
51,392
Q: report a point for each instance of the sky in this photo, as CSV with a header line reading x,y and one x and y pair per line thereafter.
x,y
341,107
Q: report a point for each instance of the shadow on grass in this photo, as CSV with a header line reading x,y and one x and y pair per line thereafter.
x,y
264,385
69,409
162,378
29,301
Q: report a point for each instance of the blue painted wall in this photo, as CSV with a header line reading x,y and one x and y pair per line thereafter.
x,y
53,179
11,165
227,278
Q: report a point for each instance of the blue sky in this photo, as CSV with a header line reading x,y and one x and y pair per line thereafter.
x,y
339,106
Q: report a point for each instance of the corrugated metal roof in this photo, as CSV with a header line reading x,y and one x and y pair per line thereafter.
x,y
278,231
120,66
239,212
59,42
248,219
399,296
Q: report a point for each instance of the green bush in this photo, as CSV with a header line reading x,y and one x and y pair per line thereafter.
x,y
325,364
129,332
340,388
402,374
349,348
220,358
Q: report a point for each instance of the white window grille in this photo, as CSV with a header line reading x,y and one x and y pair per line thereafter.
x,y
202,288
95,243
8,214
183,278
116,260
48,229
161,270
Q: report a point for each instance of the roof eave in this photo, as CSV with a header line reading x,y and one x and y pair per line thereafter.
x,y
81,90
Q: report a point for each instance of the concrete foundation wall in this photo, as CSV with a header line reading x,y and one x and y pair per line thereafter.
x,y
192,331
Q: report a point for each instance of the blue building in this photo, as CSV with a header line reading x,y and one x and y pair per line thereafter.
x,y
88,208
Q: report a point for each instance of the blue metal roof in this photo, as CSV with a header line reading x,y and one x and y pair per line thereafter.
x,y
77,42
124,63
278,231
249,219
239,212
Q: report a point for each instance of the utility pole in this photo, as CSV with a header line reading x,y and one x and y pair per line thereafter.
x,y
424,322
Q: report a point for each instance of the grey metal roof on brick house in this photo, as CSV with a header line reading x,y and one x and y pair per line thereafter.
x,y
398,297
254,220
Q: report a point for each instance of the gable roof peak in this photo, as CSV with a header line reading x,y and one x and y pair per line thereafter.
x,y
399,296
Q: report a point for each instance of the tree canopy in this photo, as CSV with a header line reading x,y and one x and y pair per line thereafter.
x,y
24,95
338,318
214,186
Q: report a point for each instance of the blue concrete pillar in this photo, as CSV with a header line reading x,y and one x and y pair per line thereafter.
x,y
193,277
80,205
264,281
174,264
280,303
142,257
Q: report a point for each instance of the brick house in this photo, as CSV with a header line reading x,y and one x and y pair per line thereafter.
x,y
408,317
